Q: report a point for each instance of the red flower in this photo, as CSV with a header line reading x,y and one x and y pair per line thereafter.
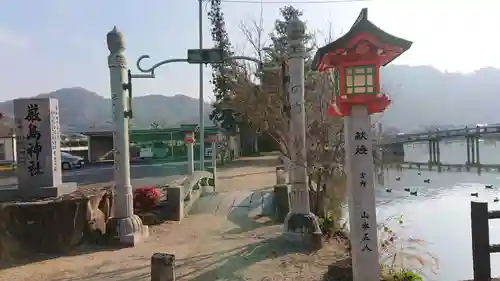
x,y
146,198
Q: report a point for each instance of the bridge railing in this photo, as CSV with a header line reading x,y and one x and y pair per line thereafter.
x,y
442,134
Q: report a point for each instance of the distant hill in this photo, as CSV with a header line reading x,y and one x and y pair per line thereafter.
x,y
82,110
422,96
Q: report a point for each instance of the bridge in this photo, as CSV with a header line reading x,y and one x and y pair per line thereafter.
x,y
471,136
442,134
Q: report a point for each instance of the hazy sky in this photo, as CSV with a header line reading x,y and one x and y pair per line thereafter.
x,y
50,44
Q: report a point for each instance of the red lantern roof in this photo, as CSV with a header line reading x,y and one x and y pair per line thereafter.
x,y
388,46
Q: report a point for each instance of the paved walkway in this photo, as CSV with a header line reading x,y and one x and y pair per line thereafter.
x,y
226,237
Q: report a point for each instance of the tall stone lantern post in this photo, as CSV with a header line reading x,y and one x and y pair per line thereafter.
x,y
355,60
300,220
129,228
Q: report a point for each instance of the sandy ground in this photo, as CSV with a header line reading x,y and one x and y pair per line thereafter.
x,y
227,236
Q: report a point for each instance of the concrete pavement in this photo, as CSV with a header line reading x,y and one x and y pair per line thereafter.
x,y
141,174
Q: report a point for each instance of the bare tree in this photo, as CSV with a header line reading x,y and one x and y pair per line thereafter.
x,y
263,104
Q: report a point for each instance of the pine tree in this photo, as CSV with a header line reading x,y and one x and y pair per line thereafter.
x,y
279,40
224,117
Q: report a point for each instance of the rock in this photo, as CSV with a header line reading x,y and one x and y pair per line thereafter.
x,y
54,225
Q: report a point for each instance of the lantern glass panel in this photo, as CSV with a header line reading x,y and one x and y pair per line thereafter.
x,y
360,79
350,81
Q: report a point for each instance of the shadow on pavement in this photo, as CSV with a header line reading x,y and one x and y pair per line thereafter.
x,y
229,263
239,214
39,257
98,273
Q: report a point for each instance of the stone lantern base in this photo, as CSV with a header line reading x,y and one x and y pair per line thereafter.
x,y
128,231
303,227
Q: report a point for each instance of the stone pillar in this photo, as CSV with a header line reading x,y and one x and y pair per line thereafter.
x,y
38,151
361,195
189,140
128,227
300,219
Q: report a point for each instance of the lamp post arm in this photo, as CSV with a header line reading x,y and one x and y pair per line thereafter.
x,y
152,69
243,58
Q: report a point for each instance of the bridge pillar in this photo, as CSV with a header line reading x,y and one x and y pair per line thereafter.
x,y
467,144
431,151
437,152
472,151
478,162
437,155
434,152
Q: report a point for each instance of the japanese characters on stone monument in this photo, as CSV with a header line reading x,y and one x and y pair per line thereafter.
x,y
38,148
361,194
356,58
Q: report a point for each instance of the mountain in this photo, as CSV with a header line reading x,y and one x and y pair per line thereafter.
x,y
82,110
424,97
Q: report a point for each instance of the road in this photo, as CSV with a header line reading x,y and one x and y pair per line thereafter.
x,y
141,175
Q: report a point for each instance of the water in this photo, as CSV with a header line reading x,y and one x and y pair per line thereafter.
x,y
440,213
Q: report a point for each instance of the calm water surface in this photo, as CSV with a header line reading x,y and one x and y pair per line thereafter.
x,y
440,214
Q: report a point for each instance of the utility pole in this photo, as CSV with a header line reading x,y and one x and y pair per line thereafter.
x,y
202,102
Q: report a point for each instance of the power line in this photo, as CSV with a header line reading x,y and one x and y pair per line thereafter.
x,y
293,2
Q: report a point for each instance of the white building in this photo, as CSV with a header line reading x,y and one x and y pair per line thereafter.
x,y
7,148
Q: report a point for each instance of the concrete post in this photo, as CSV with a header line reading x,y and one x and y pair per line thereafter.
x,y
189,140
361,195
162,267
129,228
190,156
214,159
300,219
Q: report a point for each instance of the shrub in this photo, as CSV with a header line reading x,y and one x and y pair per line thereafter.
x,y
146,198
331,228
397,274
403,258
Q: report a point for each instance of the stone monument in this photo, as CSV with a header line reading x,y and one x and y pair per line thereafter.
x,y
38,151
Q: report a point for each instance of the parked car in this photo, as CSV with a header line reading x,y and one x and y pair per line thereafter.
x,y
69,161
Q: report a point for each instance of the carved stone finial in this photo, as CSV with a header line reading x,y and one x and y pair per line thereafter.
x,y
295,28
115,41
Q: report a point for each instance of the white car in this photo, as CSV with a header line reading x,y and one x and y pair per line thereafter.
x,y
70,162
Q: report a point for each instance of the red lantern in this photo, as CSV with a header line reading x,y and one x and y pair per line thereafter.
x,y
355,59
189,137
